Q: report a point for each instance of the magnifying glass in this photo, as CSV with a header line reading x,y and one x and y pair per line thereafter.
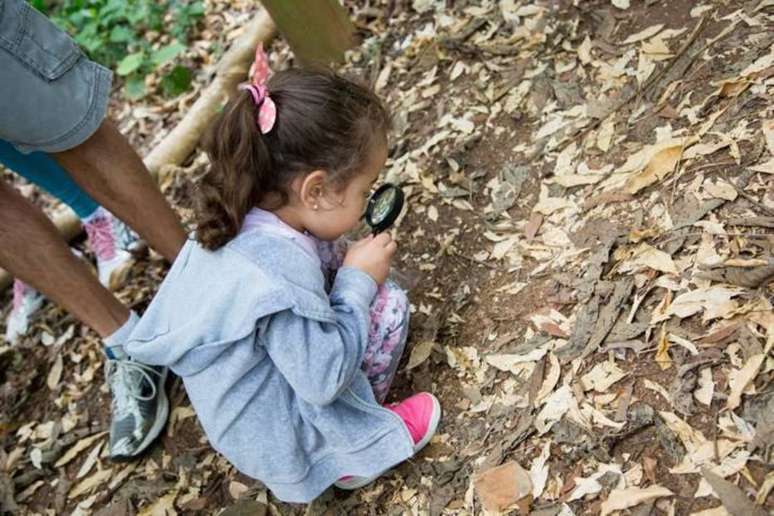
x,y
383,207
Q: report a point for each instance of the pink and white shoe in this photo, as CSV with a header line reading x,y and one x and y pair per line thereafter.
x,y
421,414
113,244
26,301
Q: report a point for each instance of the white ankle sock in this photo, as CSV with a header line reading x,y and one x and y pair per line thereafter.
x,y
114,343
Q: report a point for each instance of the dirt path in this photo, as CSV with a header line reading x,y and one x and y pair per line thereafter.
x,y
572,174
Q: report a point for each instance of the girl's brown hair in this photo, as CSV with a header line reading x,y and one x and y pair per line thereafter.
x,y
324,122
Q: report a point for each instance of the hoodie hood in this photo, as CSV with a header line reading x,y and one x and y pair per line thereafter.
x,y
211,299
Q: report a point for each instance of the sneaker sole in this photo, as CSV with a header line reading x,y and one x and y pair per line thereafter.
x,y
358,484
162,413
435,419
119,275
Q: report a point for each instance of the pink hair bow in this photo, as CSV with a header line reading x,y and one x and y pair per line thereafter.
x,y
259,72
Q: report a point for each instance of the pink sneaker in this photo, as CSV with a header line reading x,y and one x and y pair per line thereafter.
x,y
26,301
113,244
421,414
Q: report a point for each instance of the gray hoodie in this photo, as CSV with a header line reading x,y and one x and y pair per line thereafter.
x,y
271,363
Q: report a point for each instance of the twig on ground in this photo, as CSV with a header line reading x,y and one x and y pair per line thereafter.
x,y
761,222
656,78
749,197
472,260
677,172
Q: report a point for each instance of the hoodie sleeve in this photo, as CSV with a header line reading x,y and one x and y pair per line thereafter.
x,y
319,359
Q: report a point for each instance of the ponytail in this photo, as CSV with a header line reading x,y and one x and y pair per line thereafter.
x,y
239,173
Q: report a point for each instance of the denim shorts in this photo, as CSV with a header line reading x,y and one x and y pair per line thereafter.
x,y
52,98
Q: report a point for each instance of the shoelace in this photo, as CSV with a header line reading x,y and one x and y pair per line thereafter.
x,y
101,238
126,236
126,367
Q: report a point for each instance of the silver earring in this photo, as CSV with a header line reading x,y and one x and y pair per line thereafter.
x,y
316,207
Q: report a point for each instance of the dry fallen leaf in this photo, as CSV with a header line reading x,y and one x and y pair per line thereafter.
x,y
550,379
648,256
77,448
620,499
538,472
660,165
656,387
557,405
602,376
766,167
706,386
90,483
663,359
502,486
55,374
739,379
237,489
89,463
721,190
715,511
644,34
730,465
732,497
715,301
765,489
420,352
163,506
508,361
585,486
691,438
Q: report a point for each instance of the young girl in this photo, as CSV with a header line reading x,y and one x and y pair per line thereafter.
x,y
288,379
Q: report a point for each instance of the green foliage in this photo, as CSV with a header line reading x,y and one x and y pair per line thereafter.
x,y
176,82
118,35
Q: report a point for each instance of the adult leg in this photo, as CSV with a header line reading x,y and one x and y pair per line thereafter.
x,y
109,170
44,172
32,249
110,239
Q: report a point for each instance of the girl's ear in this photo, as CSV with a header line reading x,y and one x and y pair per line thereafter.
x,y
312,189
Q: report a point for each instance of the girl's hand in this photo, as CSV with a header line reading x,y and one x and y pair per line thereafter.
x,y
372,255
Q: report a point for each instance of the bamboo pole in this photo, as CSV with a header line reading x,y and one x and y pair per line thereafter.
x,y
182,140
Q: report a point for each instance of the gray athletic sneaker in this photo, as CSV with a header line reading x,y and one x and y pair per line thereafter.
x,y
140,406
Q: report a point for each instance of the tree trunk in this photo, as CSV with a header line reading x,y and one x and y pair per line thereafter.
x,y
318,31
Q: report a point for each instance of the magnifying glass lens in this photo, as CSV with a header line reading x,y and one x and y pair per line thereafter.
x,y
382,206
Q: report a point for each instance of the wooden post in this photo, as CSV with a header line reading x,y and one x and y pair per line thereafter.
x,y
318,31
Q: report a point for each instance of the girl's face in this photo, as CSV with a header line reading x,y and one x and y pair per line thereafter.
x,y
340,211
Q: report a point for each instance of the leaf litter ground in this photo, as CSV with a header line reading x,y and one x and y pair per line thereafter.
x,y
588,246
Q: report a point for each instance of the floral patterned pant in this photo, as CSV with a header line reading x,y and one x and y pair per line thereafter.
x,y
389,323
